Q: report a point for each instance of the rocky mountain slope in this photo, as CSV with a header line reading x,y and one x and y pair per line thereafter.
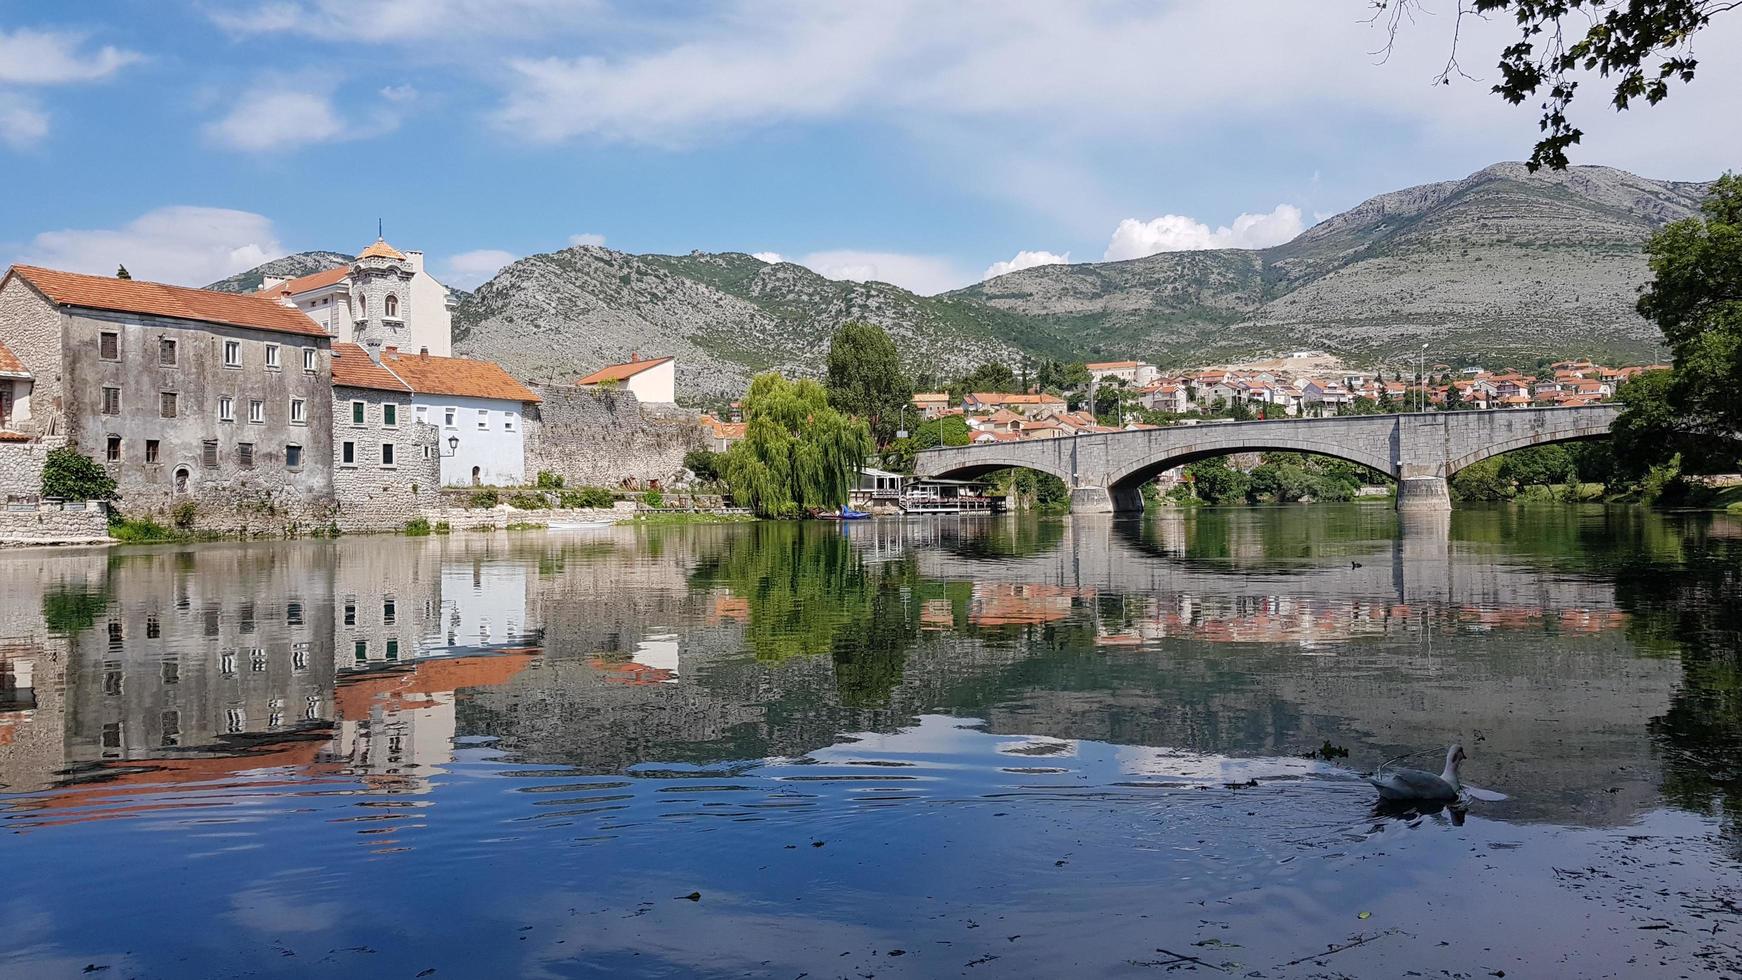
x,y
1500,265
290,267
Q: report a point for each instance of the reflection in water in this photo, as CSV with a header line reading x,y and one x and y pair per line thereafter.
x,y
976,694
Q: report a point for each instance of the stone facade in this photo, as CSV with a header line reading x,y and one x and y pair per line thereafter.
x,y
600,437
370,494
33,334
84,522
21,468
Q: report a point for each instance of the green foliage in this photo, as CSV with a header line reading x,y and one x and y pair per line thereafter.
x,y
1660,480
946,430
1036,490
653,499
1056,377
67,613
549,481
68,474
704,463
593,498
797,453
443,527
141,531
991,376
184,514
1290,477
484,498
417,527
1215,482
528,501
865,379
1481,481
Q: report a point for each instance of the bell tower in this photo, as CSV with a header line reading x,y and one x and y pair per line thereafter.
x,y
380,295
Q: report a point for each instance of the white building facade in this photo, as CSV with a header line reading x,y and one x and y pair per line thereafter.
x,y
384,295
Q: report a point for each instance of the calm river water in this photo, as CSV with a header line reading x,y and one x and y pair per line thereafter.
x,y
986,747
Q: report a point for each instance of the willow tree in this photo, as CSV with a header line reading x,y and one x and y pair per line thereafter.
x,y
797,453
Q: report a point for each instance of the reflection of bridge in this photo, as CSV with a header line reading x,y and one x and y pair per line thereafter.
x,y
1106,471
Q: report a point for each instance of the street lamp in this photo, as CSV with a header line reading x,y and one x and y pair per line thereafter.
x,y
1421,376
453,446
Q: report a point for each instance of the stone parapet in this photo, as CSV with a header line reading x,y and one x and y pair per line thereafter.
x,y
81,522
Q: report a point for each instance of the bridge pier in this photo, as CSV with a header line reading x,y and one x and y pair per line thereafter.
x,y
1105,500
1423,495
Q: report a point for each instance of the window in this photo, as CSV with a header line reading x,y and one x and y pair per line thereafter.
x,y
257,660
350,614
508,421
390,415
362,307
114,449
298,412
227,663
232,353
360,652
422,413
392,649
166,404
109,345
391,307
151,450
449,414
209,454
299,658
293,457
348,453
309,361
387,454
483,418
389,612
226,408
111,401
256,411
245,455
171,672
272,357
293,613
235,720
358,410
166,352
429,452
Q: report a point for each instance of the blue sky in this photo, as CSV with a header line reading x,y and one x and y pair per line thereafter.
x,y
921,143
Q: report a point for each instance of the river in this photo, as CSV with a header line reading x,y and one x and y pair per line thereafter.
x,y
978,747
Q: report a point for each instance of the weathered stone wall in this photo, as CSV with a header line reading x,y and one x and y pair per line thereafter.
x,y
462,519
21,468
591,437
31,329
51,524
367,494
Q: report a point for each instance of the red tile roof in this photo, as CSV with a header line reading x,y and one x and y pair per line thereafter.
x,y
431,375
381,250
156,299
10,365
622,372
311,282
1111,365
353,368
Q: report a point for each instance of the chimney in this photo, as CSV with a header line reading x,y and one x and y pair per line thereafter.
x,y
634,356
416,260
392,348
372,347
423,353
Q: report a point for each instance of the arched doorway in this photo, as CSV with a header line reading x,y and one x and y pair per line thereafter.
x,y
477,476
181,480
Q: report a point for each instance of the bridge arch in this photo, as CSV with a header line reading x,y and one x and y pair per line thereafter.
x,y
1132,475
991,459
1581,433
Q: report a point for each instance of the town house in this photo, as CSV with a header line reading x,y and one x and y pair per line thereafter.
x,y
478,410
383,295
649,380
386,463
182,394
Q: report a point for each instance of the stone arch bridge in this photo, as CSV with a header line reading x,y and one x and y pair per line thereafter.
x,y
1106,471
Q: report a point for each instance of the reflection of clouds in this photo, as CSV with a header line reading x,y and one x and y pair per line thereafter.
x,y
1136,760
1040,745
267,910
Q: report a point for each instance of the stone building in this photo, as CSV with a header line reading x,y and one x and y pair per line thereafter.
x,y
479,412
15,385
386,462
650,380
182,394
384,295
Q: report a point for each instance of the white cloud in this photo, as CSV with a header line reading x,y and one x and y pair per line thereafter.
x,y
30,57
1025,259
22,124
267,118
1134,239
469,270
399,93
186,245
587,238
923,274
397,21
771,258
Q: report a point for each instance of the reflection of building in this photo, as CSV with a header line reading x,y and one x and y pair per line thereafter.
x,y
483,601
387,602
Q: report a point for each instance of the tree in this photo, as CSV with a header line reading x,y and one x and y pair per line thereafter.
x,y
1639,45
68,474
865,378
1454,398
797,453
991,376
945,430
122,273
1214,481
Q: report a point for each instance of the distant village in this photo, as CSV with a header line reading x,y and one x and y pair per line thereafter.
x,y
334,400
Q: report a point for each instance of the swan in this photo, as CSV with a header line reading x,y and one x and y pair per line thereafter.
x,y
1419,786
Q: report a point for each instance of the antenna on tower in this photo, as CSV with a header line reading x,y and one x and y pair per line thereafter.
x,y
378,233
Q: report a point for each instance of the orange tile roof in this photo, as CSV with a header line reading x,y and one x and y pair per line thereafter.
x,y
353,368
1111,365
1001,398
621,372
10,365
312,281
381,250
157,299
7,435
931,396
431,375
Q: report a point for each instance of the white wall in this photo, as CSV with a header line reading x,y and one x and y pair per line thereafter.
x,y
498,451
656,384
432,323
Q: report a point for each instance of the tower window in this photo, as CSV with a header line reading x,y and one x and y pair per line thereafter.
x,y
391,307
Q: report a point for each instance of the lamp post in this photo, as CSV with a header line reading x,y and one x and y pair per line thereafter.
x,y
453,446
1421,376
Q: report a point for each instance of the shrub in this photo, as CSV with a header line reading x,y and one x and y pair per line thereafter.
x,y
139,531
596,498
1735,508
182,515
65,613
484,498
443,527
653,498
528,501
417,527
549,481
704,463
68,474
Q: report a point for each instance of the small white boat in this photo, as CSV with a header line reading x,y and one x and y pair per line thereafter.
x,y
577,525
